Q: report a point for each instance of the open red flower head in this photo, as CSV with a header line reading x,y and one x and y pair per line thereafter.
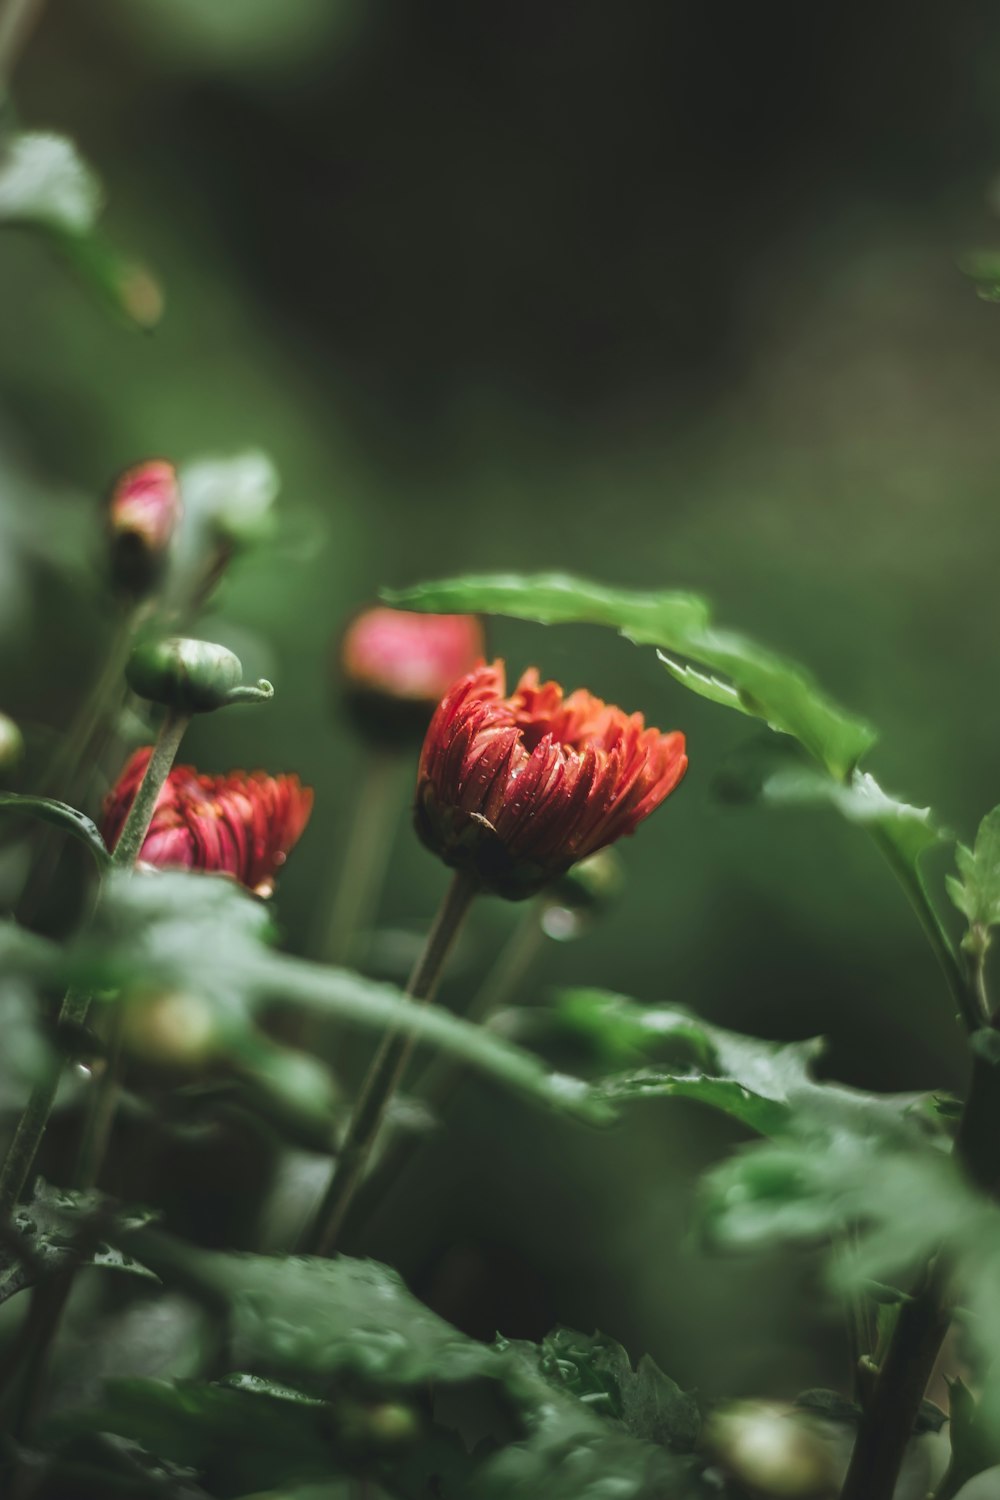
x,y
240,824
515,789
143,514
397,665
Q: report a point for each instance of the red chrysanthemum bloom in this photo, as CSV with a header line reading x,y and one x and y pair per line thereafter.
x,y
240,824
397,665
516,789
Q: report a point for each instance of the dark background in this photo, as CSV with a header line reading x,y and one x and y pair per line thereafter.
x,y
666,294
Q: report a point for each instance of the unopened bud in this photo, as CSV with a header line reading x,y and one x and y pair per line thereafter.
x,y
191,677
11,744
765,1447
592,885
143,515
175,1030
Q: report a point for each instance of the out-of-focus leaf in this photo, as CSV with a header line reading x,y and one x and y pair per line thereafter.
x,y
314,1324
753,679
44,180
46,186
69,819
766,1085
983,267
232,498
977,893
903,1200
60,1228
237,1438
776,774
203,935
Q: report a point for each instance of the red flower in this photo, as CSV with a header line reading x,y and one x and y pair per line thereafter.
x,y
143,514
398,665
516,789
240,825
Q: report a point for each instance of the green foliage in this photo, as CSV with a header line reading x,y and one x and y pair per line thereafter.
x,y
59,1228
69,819
977,892
203,936
983,267
755,680
346,1334
598,1371
47,187
774,773
767,1086
45,181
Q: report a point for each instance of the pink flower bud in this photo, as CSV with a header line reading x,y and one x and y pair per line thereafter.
x,y
143,514
397,665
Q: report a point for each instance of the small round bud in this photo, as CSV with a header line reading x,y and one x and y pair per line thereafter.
x,y
175,1030
765,1447
143,515
396,665
592,885
192,677
11,744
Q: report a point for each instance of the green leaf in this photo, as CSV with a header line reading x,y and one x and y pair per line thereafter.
x,y
59,1228
652,619
765,1085
69,819
249,1437
319,1324
753,680
598,1371
774,772
983,267
203,935
46,186
977,893
44,180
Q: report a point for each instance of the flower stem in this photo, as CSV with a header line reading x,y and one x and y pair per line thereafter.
x,y
386,1072
443,1075
888,1418
31,1126
365,858
16,20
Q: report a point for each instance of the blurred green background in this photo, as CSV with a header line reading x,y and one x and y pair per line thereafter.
x,y
662,294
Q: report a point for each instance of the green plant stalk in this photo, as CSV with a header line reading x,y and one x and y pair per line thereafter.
x,y
386,1072
31,1126
17,17
68,774
365,858
889,1416
443,1075
963,993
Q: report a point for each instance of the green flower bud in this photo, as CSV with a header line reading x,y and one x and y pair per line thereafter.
x,y
11,744
191,677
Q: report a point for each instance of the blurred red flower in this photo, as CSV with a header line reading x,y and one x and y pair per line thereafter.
x,y
239,824
516,789
396,666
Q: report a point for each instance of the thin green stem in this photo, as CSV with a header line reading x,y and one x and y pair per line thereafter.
x,y
365,858
386,1072
31,1126
17,17
902,1378
443,1075
966,1001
